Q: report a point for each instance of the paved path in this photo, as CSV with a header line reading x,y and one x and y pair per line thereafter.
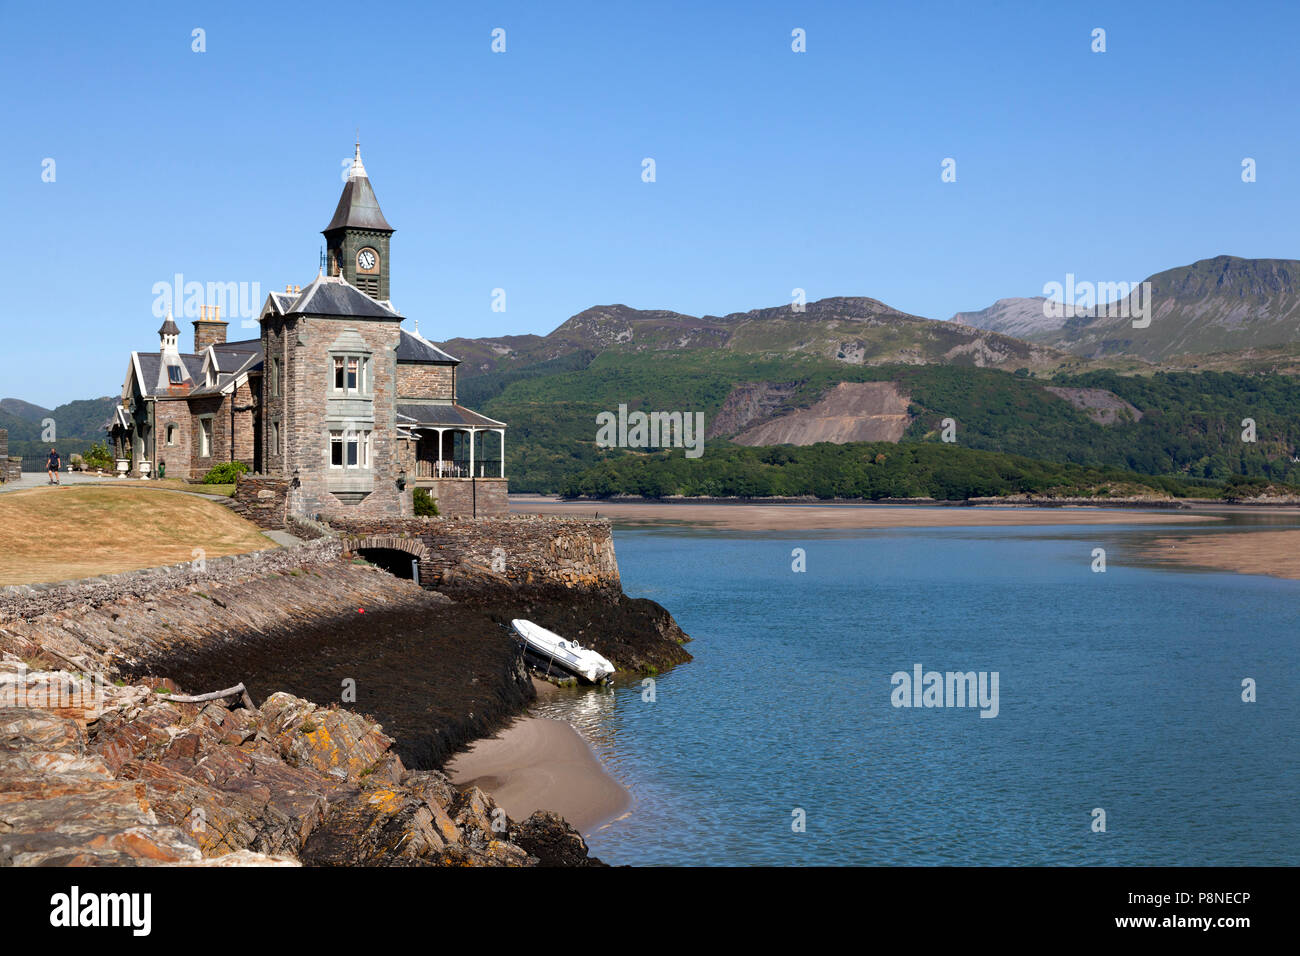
x,y
42,480
283,538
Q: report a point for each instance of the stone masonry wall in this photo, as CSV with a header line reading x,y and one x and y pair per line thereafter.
x,y
245,402
425,381
178,456
200,408
261,500
10,469
314,409
526,549
25,601
456,496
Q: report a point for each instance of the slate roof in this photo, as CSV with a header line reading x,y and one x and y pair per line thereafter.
x,y
332,295
415,348
442,416
151,368
232,356
358,208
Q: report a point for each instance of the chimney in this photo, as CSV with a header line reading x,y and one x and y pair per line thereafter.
x,y
208,328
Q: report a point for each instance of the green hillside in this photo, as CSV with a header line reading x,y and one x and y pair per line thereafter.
x,y
1190,424
872,470
77,424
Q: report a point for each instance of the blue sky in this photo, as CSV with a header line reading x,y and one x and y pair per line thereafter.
x,y
522,170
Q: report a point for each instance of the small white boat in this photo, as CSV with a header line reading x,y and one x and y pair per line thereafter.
x,y
569,655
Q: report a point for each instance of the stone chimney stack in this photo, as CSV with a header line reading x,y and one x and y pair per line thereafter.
x,y
208,328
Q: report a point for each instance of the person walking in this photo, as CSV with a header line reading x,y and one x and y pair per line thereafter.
x,y
52,465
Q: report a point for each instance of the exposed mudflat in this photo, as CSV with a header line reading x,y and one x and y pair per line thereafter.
x,y
542,764
777,516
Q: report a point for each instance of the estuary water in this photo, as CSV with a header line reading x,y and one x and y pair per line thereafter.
x,y
1118,693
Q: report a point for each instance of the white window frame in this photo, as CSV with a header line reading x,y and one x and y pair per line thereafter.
x,y
339,362
345,437
205,436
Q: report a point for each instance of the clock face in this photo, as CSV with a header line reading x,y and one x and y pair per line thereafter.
x,y
367,260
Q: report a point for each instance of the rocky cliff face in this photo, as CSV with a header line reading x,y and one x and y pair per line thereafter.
x,y
1023,318
129,777
366,685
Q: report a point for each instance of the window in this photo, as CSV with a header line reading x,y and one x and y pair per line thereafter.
x,y
174,375
352,374
349,449
171,433
275,378
275,438
205,437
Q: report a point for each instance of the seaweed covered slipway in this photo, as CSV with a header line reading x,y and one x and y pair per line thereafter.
x,y
295,706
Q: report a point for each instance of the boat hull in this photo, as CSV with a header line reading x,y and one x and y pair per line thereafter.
x,y
552,650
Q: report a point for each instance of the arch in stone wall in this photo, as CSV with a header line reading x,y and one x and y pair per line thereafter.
x,y
392,542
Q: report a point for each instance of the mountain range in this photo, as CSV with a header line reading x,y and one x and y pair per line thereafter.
x,y
1218,305
1015,378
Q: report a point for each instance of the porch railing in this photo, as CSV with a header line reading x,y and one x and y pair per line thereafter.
x,y
458,468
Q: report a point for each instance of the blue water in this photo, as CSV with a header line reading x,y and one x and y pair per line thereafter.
x,y
1119,691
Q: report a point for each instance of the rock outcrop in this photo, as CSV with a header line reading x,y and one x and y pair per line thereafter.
x,y
98,774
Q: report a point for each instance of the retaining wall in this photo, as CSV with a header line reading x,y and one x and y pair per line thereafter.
x,y
526,549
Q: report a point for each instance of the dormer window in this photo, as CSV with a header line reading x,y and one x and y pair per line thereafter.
x,y
174,375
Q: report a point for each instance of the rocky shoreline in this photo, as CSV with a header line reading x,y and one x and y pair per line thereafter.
x,y
359,687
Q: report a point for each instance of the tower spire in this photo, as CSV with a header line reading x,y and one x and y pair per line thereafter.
x,y
358,171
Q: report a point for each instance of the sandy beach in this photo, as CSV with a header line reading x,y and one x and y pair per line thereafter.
x,y
1275,553
541,764
814,517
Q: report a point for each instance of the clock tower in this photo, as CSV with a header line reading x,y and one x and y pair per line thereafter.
x,y
358,236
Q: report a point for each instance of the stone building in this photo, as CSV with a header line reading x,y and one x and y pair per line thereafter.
x,y
334,396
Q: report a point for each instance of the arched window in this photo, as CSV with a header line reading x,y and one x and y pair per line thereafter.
x,y
171,434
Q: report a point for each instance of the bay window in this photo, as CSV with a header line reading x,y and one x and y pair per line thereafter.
x,y
352,374
349,449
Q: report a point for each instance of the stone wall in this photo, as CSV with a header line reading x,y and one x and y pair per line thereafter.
x,y
212,408
276,406
242,410
313,409
526,549
11,469
425,381
460,497
25,601
262,500
178,455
